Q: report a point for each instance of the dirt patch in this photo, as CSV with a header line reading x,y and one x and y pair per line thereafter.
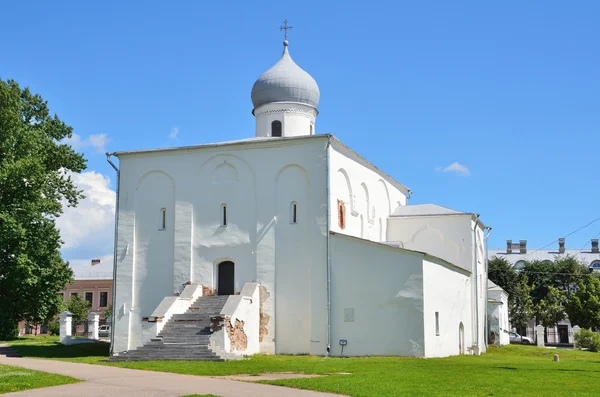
x,y
268,376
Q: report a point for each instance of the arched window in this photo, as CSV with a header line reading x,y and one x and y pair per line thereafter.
x,y
595,265
341,214
294,212
519,265
223,214
163,219
311,129
276,128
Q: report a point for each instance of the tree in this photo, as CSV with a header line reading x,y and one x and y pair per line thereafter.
x,y
569,271
551,309
521,306
78,307
501,272
583,306
34,184
108,313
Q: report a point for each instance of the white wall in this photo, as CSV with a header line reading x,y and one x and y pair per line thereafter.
x,y
370,196
296,118
245,177
447,290
382,288
498,315
446,237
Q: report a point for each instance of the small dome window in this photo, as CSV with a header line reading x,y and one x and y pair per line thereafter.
x,y
276,128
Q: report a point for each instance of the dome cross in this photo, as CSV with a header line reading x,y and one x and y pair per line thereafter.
x,y
285,28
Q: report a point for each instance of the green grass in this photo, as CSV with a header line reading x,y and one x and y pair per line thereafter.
x,y
16,379
200,395
507,371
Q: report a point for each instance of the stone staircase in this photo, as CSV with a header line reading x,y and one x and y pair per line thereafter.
x,y
184,337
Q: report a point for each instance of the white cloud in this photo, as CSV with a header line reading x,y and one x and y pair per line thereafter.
x,y
88,229
174,133
455,167
97,142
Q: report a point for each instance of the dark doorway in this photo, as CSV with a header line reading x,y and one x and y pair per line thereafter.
x,y
226,275
563,334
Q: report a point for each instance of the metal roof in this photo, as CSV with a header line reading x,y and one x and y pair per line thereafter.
x,y
285,82
584,255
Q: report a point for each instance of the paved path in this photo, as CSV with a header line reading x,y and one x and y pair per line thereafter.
x,y
101,380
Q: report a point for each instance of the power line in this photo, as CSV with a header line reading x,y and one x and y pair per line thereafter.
x,y
555,241
596,236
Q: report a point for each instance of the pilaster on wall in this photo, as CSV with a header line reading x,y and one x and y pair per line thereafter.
x,y
182,258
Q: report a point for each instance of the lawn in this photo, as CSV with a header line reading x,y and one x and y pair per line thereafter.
x,y
507,371
16,379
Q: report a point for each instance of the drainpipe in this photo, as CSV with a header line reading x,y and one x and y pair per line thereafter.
x,y
327,206
488,230
476,285
114,291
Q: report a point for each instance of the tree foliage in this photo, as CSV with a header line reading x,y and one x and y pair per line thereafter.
x,y
503,274
583,305
78,307
34,184
550,310
521,306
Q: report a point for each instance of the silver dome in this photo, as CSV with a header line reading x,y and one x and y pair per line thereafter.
x,y
285,82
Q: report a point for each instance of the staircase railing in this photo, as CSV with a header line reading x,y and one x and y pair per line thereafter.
x,y
236,330
170,305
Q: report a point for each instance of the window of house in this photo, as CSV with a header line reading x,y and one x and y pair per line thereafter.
x,y
595,265
28,329
341,214
74,294
62,296
89,297
519,265
276,128
294,213
44,329
223,214
163,219
103,299
437,323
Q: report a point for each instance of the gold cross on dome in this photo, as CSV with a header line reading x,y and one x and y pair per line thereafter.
x,y
285,28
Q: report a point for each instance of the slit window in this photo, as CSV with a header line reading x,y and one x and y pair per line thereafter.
x,y
437,323
311,129
276,128
294,213
163,219
223,214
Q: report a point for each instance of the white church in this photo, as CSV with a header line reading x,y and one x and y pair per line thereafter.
x,y
289,242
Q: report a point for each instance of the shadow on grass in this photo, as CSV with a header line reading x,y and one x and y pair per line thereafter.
x,y
56,350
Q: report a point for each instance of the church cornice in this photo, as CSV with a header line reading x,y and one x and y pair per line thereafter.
x,y
311,114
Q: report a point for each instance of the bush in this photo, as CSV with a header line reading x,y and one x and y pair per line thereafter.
x,y
586,339
54,328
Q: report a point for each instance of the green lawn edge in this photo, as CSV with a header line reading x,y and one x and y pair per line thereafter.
x,y
502,371
14,379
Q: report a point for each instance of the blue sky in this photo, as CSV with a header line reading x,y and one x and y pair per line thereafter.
x,y
508,90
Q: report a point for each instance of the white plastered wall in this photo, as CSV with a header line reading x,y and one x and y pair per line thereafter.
x,y
369,196
296,118
447,291
376,298
243,176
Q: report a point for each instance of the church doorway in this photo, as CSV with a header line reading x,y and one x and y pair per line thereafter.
x,y
226,277
461,338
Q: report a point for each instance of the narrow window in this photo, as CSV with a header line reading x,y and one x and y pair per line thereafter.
x,y
341,214
89,297
223,214
276,128
311,129
294,213
437,323
104,299
163,219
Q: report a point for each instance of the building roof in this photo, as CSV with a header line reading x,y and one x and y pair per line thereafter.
x,y
274,141
425,210
285,82
84,270
583,254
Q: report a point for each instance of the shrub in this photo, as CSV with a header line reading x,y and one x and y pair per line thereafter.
x,y
54,327
586,339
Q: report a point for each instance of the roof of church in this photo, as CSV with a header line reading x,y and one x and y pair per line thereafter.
x,y
276,141
285,82
425,210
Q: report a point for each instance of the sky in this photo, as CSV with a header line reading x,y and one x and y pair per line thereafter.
x,y
485,107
